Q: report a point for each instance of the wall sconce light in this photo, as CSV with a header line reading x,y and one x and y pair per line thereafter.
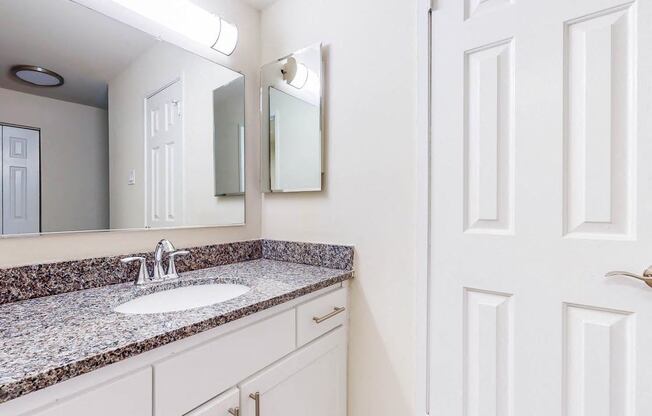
x,y
189,20
295,73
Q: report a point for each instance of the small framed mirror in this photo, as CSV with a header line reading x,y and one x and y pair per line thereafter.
x,y
291,130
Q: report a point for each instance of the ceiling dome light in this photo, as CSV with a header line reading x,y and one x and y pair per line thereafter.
x,y
189,20
295,73
35,75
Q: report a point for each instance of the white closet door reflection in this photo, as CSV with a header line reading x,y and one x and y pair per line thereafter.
x,y
20,180
165,149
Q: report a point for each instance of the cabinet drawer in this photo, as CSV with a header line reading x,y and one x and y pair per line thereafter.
x,y
130,395
219,406
191,378
321,315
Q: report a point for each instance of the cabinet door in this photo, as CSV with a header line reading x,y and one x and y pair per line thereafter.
x,y
193,377
311,381
224,405
130,395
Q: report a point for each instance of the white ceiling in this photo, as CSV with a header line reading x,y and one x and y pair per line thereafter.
x,y
259,4
86,48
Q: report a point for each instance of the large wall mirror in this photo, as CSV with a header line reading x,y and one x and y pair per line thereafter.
x,y
106,127
292,122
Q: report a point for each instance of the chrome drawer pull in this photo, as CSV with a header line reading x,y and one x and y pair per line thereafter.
x,y
235,411
336,311
256,397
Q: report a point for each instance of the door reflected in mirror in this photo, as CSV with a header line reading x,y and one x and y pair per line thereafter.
x,y
116,130
292,136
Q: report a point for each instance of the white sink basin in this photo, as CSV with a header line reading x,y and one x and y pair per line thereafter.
x,y
182,298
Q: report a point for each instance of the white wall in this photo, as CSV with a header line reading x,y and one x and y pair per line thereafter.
x,y
74,160
245,59
370,185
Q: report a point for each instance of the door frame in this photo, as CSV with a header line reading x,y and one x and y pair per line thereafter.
x,y
40,178
422,244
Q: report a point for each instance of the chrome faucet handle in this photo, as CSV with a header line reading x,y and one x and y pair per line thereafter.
x,y
143,274
172,268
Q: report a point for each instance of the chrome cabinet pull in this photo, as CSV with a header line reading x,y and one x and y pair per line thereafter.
x,y
336,311
646,277
256,397
235,411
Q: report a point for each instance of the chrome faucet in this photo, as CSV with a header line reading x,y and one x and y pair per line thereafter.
x,y
159,275
163,246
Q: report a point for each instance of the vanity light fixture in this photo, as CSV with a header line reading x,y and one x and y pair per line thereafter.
x,y
295,73
37,76
190,20
227,39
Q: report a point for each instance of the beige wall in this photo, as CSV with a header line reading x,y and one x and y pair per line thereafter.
x,y
74,161
370,186
27,250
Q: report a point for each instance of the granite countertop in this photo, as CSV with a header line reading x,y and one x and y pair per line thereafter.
x,y
47,340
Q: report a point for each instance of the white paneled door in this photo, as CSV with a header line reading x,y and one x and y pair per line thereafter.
x,y
541,183
21,200
164,162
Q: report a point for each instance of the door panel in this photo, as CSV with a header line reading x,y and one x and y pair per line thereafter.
x,y
599,350
20,181
488,345
599,124
488,138
541,149
165,158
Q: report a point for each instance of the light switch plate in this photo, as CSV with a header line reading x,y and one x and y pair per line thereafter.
x,y
132,177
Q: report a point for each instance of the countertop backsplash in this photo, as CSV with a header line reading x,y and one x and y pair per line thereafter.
x,y
33,281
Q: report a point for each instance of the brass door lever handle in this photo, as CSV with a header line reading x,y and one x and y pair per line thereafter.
x,y
646,277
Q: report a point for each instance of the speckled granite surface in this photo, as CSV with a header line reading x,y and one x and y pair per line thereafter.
x,y
47,340
27,282
326,255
